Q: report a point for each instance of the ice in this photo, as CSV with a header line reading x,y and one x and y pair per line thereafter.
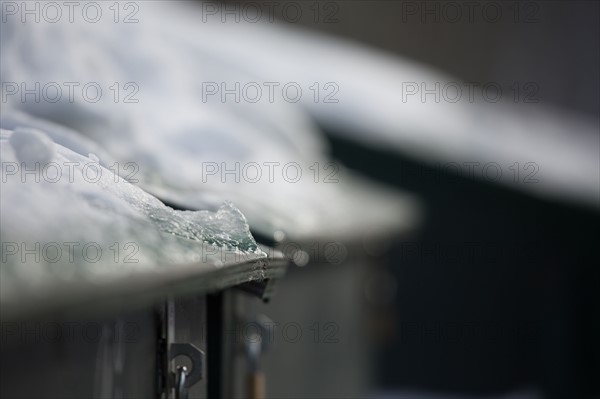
x,y
45,211
226,228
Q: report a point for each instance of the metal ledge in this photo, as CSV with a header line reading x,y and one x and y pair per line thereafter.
x,y
139,288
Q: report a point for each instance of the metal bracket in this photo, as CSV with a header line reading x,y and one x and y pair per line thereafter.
x,y
172,376
263,289
195,355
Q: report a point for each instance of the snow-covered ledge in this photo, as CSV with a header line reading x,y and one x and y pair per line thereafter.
x,y
76,234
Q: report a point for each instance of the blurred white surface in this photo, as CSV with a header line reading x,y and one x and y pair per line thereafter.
x,y
177,139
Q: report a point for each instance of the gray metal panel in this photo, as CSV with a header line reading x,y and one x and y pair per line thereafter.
x,y
80,358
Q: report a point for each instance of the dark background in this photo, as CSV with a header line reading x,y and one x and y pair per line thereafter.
x,y
552,43
498,291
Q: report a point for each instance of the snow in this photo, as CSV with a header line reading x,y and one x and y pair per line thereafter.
x,y
31,146
374,110
70,218
171,135
11,119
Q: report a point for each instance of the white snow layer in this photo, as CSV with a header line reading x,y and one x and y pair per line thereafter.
x,y
65,216
175,138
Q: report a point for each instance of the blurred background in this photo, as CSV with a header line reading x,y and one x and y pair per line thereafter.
x,y
456,285
496,294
